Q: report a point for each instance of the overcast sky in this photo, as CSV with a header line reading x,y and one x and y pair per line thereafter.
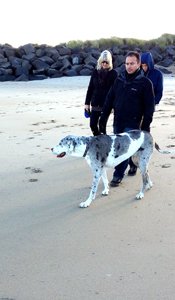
x,y
57,21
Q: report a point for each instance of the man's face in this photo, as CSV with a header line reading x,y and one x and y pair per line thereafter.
x,y
145,67
131,64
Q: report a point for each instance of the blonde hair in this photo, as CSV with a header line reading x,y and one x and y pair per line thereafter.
x,y
105,56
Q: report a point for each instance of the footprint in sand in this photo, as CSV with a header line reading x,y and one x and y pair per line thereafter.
x,y
34,171
172,137
33,180
166,166
62,125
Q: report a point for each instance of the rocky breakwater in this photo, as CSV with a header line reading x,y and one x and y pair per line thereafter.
x,y
36,62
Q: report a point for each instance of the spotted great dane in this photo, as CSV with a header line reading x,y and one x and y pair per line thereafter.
x,y
108,151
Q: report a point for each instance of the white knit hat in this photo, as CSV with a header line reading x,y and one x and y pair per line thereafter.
x,y
105,56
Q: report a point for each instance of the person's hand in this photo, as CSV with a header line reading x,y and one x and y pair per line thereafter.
x,y
87,107
87,113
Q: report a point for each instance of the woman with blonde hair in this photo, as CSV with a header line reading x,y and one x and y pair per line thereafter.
x,y
100,82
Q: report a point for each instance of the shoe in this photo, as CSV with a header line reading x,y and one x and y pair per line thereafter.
x,y
115,181
132,171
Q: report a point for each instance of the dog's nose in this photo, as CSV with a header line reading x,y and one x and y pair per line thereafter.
x,y
51,149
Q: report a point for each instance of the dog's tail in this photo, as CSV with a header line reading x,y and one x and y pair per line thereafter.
x,y
165,151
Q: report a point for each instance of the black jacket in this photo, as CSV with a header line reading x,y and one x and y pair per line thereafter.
x,y
132,99
99,85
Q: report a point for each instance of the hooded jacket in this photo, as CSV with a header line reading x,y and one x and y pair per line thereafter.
x,y
154,75
132,99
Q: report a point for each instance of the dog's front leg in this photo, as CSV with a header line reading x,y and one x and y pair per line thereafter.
x,y
96,179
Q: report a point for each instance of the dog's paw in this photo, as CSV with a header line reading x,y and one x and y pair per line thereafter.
x,y
84,204
105,192
140,195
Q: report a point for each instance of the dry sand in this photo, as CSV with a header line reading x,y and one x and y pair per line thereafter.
x,y
119,248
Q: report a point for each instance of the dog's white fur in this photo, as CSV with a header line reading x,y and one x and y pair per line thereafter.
x,y
108,151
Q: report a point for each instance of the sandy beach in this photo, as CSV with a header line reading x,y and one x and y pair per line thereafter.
x,y
119,248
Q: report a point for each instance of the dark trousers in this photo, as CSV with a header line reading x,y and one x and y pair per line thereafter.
x,y
121,168
94,122
131,164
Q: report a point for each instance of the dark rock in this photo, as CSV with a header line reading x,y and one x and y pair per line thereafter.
x,y
70,73
22,77
7,77
57,65
52,72
85,72
63,50
165,62
29,48
37,77
39,64
165,71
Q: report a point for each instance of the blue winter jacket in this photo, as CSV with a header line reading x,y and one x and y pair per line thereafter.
x,y
154,75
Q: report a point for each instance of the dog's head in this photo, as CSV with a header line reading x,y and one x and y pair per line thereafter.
x,y
65,147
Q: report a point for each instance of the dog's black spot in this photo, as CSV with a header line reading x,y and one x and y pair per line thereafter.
x,y
74,143
100,146
116,156
97,155
103,160
121,145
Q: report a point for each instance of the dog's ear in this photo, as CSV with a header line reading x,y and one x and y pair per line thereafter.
x,y
66,140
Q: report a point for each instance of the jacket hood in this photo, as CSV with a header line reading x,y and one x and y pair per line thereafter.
x,y
146,58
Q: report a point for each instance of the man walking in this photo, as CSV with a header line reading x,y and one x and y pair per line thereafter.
x,y
132,99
